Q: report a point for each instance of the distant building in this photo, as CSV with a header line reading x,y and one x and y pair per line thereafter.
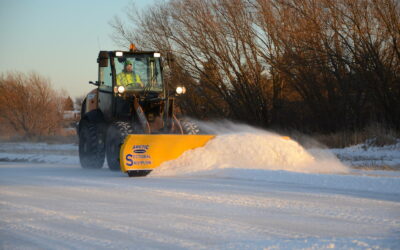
x,y
71,115
70,121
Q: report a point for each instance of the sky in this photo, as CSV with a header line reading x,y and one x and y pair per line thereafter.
x,y
59,40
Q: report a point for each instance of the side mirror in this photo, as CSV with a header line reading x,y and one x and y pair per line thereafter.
x,y
95,83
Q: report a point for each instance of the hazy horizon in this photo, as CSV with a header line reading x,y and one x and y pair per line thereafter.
x,y
59,40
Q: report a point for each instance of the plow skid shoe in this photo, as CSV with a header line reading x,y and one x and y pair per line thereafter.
x,y
146,152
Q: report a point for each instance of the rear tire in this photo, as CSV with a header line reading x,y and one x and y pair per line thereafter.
x,y
116,134
91,145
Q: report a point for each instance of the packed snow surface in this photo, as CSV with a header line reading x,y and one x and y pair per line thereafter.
x,y
61,206
246,189
364,155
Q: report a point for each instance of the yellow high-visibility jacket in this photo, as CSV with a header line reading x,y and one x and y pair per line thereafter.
x,y
125,78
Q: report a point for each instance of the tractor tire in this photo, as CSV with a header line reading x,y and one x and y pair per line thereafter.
x,y
190,127
116,134
91,145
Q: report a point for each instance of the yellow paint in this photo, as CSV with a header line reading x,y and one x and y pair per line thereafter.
x,y
146,152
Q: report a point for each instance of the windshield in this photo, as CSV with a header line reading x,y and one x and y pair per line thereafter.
x,y
139,72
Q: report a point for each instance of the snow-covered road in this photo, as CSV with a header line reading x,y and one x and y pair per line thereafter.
x,y
56,206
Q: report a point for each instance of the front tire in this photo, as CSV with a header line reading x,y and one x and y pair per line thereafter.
x,y
91,145
116,134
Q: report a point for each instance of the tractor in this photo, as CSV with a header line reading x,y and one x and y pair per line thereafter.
x,y
129,118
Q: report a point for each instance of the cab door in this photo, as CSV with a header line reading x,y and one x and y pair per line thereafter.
x,y
106,90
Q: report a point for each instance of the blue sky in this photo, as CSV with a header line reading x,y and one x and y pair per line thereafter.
x,y
59,39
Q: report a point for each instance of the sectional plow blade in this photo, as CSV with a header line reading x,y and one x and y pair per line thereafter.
x,y
142,153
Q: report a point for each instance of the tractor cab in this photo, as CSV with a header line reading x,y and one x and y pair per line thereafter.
x,y
126,77
134,71
137,72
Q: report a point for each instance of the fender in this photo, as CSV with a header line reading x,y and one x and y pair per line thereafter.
x,y
95,116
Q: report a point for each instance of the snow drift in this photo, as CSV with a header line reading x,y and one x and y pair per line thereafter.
x,y
244,147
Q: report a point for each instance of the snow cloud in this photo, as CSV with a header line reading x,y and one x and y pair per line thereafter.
x,y
246,147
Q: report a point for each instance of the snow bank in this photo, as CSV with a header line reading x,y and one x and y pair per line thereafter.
x,y
39,153
364,155
39,158
243,147
35,146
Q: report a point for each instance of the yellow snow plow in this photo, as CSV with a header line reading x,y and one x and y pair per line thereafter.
x,y
142,153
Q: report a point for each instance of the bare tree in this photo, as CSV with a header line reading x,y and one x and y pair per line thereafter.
x,y
328,65
68,104
29,104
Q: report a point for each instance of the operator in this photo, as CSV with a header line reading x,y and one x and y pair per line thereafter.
x,y
127,77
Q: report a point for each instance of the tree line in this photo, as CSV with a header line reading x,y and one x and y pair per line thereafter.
x,y
29,106
312,65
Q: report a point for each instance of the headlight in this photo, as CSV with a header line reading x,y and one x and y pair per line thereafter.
x,y
180,90
121,89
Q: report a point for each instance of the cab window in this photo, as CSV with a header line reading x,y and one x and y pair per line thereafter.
x,y
105,77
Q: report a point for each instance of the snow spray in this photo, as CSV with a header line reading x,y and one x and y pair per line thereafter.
x,y
241,146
